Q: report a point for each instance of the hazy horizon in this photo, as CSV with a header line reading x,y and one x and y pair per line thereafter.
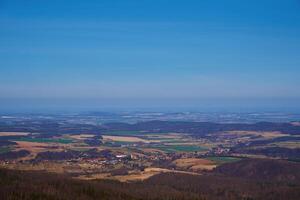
x,y
168,55
149,105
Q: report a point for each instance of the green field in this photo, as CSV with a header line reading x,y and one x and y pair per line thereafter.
x,y
5,149
223,159
47,140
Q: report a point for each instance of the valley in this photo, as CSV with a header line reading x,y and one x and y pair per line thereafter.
x,y
134,152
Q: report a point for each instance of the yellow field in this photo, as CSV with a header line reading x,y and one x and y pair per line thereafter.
x,y
124,139
94,176
13,134
267,135
43,166
194,164
34,148
134,175
81,136
147,173
31,146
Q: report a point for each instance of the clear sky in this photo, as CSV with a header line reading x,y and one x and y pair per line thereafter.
x,y
149,53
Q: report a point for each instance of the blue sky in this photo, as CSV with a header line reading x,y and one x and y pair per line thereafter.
x,y
149,53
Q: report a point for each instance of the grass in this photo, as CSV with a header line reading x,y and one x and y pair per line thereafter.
x,y
294,160
47,140
223,159
5,149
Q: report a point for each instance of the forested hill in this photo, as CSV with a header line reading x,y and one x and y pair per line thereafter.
x,y
202,128
251,179
196,128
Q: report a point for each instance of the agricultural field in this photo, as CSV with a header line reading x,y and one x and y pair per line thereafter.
x,y
194,164
123,133
80,136
13,134
179,148
221,159
47,140
138,154
5,149
124,139
263,134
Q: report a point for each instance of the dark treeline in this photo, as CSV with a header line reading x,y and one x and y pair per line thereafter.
x,y
203,128
49,127
11,155
279,152
194,128
268,170
230,182
71,154
6,143
17,185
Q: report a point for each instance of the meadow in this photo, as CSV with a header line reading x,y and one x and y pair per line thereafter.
x,y
47,140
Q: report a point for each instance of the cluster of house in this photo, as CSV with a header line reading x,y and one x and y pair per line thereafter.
x,y
217,151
